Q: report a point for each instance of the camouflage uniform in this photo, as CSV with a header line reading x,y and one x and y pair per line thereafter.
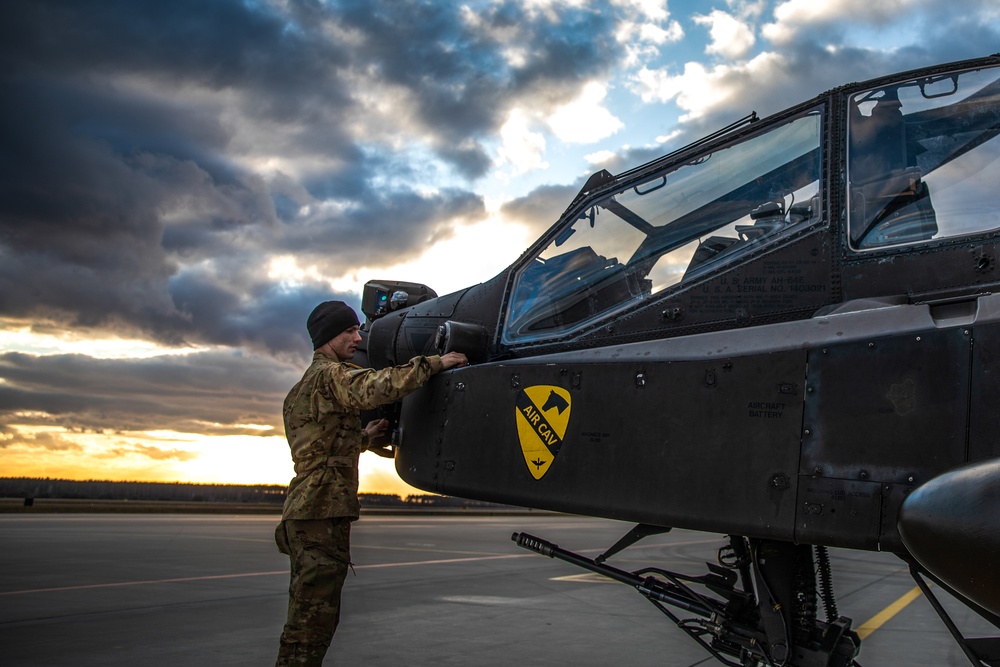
x,y
324,431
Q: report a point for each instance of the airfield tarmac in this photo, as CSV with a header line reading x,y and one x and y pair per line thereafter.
x,y
169,590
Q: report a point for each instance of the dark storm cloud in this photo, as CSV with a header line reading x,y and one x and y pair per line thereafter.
x,y
80,221
217,44
462,83
127,196
381,227
210,393
541,207
265,316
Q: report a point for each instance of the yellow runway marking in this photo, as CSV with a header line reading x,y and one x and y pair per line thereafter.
x,y
883,617
866,628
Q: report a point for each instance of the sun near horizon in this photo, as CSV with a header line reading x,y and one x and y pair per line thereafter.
x,y
179,458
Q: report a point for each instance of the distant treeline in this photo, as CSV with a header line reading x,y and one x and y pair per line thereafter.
x,y
35,487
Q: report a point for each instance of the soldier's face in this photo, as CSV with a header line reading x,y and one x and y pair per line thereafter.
x,y
344,344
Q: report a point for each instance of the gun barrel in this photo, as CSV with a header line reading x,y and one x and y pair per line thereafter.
x,y
650,587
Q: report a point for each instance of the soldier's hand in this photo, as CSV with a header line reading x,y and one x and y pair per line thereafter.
x,y
384,452
453,360
376,428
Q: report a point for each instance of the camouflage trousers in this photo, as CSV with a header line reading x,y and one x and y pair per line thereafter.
x,y
320,554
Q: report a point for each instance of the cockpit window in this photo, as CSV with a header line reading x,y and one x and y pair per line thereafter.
x,y
669,229
924,159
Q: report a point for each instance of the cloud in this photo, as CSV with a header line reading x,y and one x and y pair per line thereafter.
x,y
585,120
821,45
148,451
731,38
539,209
45,441
581,120
153,163
793,16
212,393
522,147
600,157
701,90
644,30
893,27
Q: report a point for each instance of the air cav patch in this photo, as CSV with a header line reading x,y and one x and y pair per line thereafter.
x,y
542,413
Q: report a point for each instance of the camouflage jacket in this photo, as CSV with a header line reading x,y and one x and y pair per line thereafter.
x,y
324,430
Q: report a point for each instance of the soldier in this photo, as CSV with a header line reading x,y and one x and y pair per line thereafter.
x,y
323,427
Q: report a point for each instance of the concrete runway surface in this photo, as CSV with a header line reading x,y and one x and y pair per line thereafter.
x,y
170,590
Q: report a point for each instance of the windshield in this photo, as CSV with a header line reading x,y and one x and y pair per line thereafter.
x,y
669,229
924,159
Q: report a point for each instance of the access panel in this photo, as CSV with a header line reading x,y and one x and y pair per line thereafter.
x,y
881,416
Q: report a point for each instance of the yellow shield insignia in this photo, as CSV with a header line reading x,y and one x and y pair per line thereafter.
x,y
542,414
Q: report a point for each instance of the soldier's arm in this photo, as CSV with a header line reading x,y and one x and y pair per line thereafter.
x,y
365,389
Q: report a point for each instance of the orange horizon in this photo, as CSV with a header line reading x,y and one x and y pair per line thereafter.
x,y
247,462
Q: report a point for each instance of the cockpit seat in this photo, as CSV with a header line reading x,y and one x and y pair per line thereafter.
x,y
709,249
768,218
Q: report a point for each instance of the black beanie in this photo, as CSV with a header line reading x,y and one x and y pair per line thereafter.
x,y
328,320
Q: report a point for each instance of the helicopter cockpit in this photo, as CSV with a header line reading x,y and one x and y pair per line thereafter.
x,y
932,135
669,229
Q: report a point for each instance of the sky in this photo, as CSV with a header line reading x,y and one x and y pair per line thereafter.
x,y
182,182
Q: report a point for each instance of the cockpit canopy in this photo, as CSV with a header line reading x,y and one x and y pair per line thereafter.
x,y
673,227
923,159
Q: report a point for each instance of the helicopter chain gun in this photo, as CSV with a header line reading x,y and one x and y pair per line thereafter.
x,y
787,333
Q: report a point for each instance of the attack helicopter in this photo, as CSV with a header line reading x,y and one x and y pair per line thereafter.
x,y
787,333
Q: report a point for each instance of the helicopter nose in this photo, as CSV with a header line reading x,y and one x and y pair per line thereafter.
x,y
951,525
